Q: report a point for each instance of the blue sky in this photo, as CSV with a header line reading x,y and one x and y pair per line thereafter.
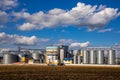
x,y
78,23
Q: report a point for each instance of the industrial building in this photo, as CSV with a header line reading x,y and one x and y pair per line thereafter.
x,y
62,54
56,54
52,54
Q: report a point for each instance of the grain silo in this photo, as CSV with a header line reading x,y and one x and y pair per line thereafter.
x,y
75,60
79,60
85,57
9,58
42,58
36,56
75,56
100,58
111,57
92,56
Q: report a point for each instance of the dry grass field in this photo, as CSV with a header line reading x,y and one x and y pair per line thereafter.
x,y
36,72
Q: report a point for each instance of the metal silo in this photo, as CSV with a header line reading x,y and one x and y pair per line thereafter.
x,y
79,61
111,57
85,57
42,58
74,59
36,56
9,58
92,57
62,54
75,56
100,58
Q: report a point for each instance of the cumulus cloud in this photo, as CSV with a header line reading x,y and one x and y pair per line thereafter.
x,y
7,4
3,17
101,7
22,40
16,39
21,14
91,17
25,40
65,41
27,26
79,45
73,43
105,30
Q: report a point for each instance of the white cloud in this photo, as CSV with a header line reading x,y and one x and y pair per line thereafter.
x,y
85,44
105,30
56,11
65,41
101,7
3,17
22,14
25,40
22,40
5,38
16,39
92,17
27,26
7,4
101,18
73,43
78,45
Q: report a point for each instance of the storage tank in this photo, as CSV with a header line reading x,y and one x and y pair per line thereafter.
x,y
9,58
100,58
71,53
42,58
75,56
85,56
79,61
36,56
111,57
92,57
75,59
62,52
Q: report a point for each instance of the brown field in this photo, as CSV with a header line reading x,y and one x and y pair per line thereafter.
x,y
35,72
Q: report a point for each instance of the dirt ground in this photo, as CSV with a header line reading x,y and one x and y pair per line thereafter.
x,y
37,72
